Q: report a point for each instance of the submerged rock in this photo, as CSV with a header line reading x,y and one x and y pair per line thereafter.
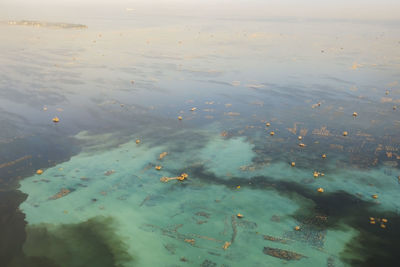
x,y
282,254
275,239
208,263
247,224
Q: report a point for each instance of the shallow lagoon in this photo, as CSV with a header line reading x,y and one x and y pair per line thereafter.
x,y
114,83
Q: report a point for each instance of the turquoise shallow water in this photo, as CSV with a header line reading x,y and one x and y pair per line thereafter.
x,y
100,200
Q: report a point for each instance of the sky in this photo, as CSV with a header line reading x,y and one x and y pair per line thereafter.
x,y
337,9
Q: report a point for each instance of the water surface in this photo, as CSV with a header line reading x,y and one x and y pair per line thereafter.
x,y
100,201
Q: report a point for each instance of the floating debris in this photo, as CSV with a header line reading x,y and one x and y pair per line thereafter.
x,y
39,172
239,216
238,187
193,109
224,134
297,228
345,133
293,164
268,124
355,114
324,156
162,155
384,220
302,145
137,141
56,119
383,225
180,118
108,173
226,245
320,190
375,196
316,105
282,254
300,137
158,168
182,177
272,133
62,193
190,241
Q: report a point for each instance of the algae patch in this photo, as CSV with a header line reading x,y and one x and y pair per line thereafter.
x,y
89,243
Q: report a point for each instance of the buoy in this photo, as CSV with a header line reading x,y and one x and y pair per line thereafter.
x,y
158,168
293,164
345,133
180,118
39,172
239,215
137,141
321,190
324,156
272,133
375,196
355,114
268,124
297,228
56,119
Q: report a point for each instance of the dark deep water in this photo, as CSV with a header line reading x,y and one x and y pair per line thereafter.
x,y
117,81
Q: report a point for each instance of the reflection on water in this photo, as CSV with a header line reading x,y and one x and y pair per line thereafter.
x,y
209,95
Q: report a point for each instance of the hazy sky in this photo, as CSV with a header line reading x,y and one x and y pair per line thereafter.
x,y
349,9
